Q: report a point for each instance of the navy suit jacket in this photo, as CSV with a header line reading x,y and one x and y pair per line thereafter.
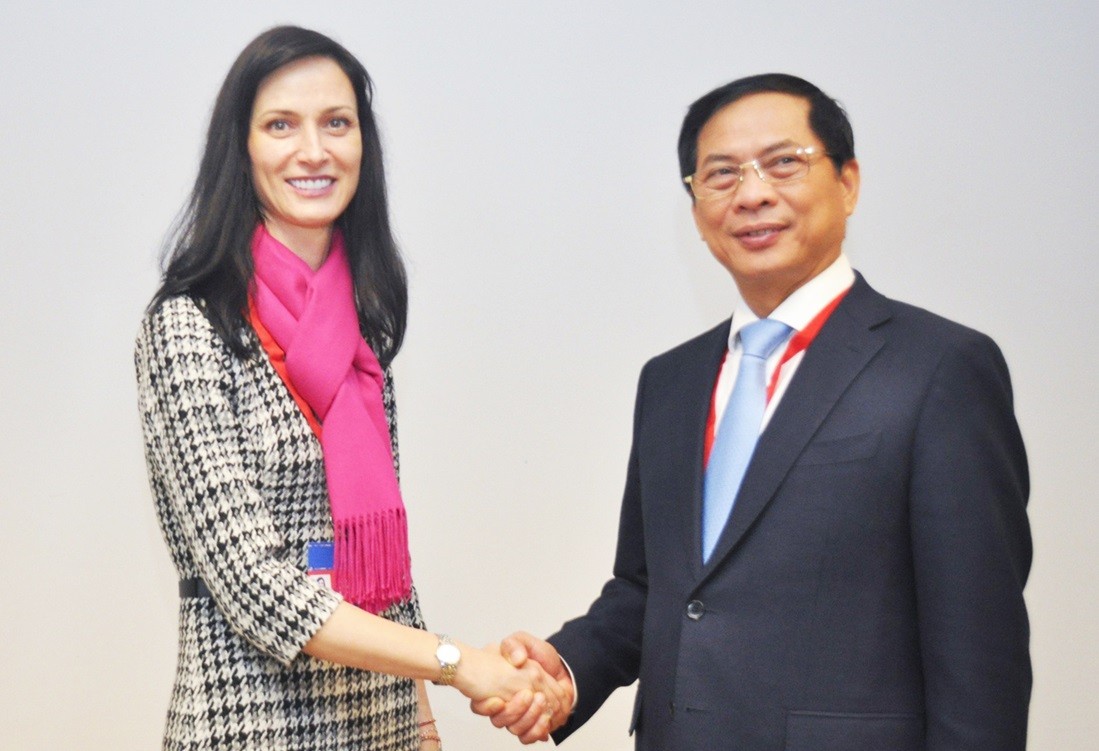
x,y
867,591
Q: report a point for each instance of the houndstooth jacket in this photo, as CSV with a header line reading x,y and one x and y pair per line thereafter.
x,y
238,480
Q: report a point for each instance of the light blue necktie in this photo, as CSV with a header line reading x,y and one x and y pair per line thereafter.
x,y
739,431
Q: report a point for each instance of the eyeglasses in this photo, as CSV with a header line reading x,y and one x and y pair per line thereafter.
x,y
783,165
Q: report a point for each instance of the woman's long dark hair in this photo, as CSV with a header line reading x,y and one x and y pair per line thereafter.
x,y
209,251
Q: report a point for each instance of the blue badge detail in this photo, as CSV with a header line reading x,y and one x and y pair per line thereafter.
x,y
319,559
320,556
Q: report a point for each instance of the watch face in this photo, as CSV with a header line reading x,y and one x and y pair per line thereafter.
x,y
448,654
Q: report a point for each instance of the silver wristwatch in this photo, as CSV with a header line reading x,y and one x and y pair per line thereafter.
x,y
448,655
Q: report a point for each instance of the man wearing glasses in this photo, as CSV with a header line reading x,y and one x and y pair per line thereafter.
x,y
823,540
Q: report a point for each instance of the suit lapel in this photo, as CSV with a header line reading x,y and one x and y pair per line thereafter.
x,y
844,346
673,450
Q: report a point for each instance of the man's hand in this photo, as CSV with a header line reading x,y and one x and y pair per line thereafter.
x,y
529,716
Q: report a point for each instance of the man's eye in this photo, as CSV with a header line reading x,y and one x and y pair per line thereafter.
x,y
784,159
721,176
784,166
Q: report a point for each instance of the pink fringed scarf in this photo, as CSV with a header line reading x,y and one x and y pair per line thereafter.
x,y
312,317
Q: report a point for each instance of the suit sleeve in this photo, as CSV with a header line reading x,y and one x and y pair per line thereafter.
x,y
971,553
603,647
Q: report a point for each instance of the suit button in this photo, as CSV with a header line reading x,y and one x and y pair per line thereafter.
x,y
695,609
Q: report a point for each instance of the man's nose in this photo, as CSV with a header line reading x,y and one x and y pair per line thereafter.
x,y
753,191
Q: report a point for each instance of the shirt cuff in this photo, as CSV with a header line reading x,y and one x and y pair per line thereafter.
x,y
575,688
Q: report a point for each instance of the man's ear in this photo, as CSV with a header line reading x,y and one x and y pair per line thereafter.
x,y
849,178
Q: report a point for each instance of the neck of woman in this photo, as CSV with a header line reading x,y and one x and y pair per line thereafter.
x,y
310,244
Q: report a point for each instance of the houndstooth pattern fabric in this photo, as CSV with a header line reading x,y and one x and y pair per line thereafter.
x,y
238,480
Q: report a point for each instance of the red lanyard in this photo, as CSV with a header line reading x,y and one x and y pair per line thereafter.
x,y
798,344
801,342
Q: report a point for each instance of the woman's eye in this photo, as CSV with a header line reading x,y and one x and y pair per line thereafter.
x,y
278,126
339,123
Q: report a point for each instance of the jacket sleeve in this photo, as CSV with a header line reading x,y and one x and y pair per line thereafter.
x,y
971,551
603,647
196,453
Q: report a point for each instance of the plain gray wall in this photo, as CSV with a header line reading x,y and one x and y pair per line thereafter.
x,y
534,190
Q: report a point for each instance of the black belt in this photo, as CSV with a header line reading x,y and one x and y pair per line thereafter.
x,y
193,588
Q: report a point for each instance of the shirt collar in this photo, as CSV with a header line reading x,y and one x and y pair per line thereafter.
x,y
803,304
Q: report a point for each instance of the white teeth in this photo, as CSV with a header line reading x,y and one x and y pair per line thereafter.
x,y
312,184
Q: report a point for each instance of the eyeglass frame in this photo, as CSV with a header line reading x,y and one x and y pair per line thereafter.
x,y
810,151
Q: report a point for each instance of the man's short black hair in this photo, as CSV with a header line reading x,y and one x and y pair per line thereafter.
x,y
827,118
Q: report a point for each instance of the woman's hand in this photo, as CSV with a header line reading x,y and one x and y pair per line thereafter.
x,y
485,673
425,721
530,724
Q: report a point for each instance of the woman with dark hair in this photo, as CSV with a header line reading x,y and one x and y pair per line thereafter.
x,y
269,422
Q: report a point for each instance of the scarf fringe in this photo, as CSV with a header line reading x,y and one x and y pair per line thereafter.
x,y
373,569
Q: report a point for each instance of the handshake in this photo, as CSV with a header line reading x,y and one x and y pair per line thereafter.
x,y
521,684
